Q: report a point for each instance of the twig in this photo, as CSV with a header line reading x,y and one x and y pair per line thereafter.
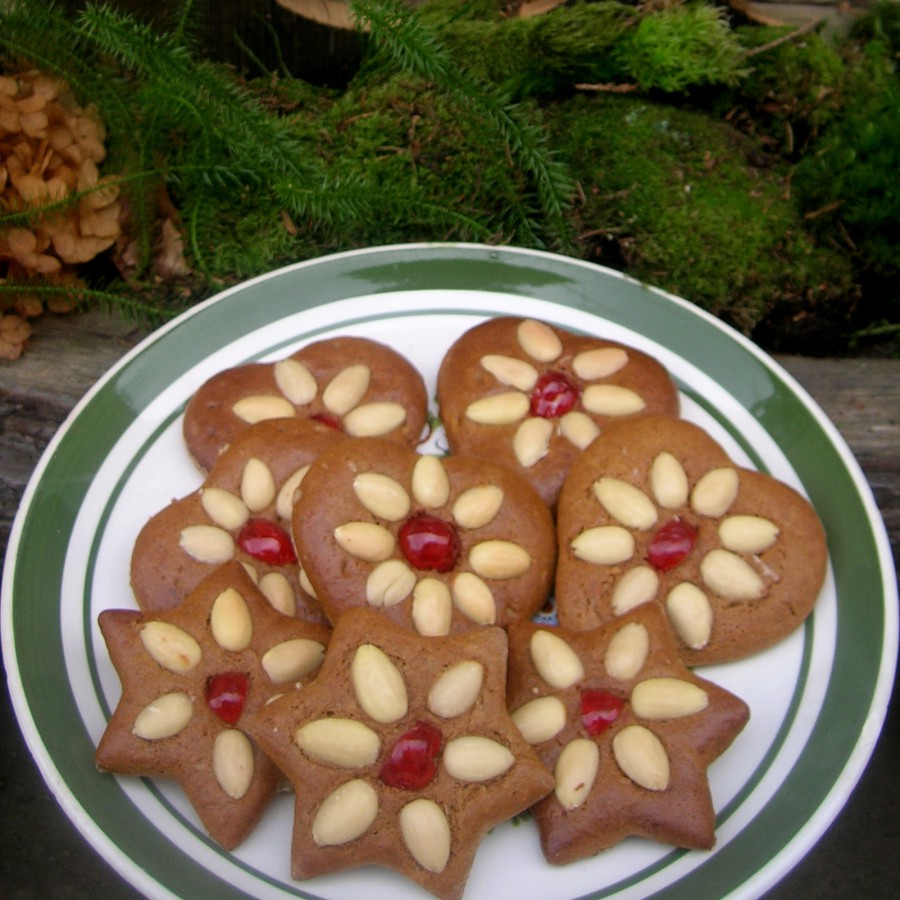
x,y
811,25
607,88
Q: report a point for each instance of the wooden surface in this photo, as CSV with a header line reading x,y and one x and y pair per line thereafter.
x,y
42,854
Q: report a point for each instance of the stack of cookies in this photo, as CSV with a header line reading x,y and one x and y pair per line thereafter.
x,y
423,646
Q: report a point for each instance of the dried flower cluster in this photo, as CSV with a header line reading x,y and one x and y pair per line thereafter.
x,y
50,149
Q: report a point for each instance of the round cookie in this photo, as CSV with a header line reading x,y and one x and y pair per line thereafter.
x,y
190,677
627,729
437,544
655,510
356,385
242,511
533,396
401,753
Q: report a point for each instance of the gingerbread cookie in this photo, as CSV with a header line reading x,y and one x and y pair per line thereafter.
x,y
627,729
242,511
533,396
356,385
437,544
190,676
401,753
655,510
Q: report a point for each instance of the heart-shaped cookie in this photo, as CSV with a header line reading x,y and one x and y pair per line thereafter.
x,y
656,511
532,396
437,544
356,385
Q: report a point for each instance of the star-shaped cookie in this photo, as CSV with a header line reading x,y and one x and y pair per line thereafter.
x,y
401,753
627,729
190,677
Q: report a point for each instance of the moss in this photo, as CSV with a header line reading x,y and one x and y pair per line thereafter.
x,y
679,200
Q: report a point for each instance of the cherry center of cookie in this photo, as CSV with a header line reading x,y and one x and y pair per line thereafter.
x,y
429,543
599,709
226,694
671,544
553,396
267,542
329,420
413,760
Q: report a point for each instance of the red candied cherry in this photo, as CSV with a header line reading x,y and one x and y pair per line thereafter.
x,y
225,695
429,543
267,542
329,420
599,709
553,396
413,761
671,544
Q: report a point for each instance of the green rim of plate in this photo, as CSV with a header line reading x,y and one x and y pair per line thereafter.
x,y
865,651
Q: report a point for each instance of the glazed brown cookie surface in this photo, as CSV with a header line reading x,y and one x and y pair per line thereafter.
x,y
533,396
189,678
627,729
656,511
436,544
356,385
401,753
242,511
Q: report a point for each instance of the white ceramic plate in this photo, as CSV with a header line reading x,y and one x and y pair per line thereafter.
x,y
817,700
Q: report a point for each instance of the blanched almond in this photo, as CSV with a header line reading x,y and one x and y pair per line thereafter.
x,y
499,559
390,583
499,409
668,481
475,758
557,663
538,340
382,495
636,586
279,592
691,614
599,363
345,814
474,599
510,371
578,428
290,491
627,651
295,381
641,757
165,717
667,698
346,389
365,540
726,573
612,400
432,607
478,506
714,493
430,484
172,647
605,545
207,543
305,583
232,762
257,485
378,685
230,622
262,407
540,719
343,743
374,419
456,689
575,772
531,442
747,534
224,508
292,659
627,504
426,833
